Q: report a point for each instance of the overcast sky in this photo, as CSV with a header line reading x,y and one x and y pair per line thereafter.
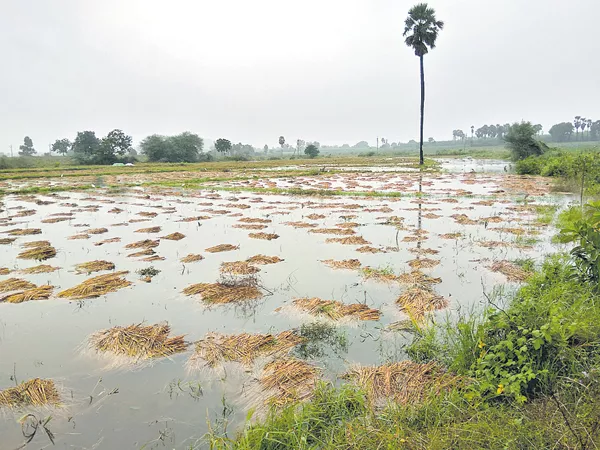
x,y
336,71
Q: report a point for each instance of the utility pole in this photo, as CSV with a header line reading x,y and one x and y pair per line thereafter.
x,y
10,150
377,143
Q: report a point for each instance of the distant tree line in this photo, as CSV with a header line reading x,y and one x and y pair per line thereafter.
x,y
183,147
87,148
563,132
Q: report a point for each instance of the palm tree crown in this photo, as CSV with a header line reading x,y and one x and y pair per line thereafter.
x,y
421,28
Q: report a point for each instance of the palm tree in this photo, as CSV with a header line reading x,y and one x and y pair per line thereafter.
x,y
421,31
589,124
583,125
577,123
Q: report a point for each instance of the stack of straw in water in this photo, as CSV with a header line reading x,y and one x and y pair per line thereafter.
x,y
243,348
191,258
511,271
288,380
404,382
238,268
336,310
220,293
417,301
222,248
94,266
350,264
35,293
138,341
97,286
263,260
35,392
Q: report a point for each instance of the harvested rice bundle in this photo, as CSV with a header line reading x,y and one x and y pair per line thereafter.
x,y
348,225
315,216
220,293
15,284
288,380
146,243
423,263
463,219
264,236
36,293
249,226
351,264
115,210
56,219
515,231
146,252
24,231
493,244
149,230
153,258
79,236
350,240
194,219
254,220
191,258
419,300
385,275
35,392
238,268
42,268
96,231
369,249
34,244
38,253
174,236
94,266
300,224
4,270
334,310
243,348
406,382
147,214
423,251
6,241
97,286
264,260
222,248
416,277
107,241
138,341
511,271
336,231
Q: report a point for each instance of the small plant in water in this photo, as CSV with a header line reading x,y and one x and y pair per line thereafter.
x,y
148,272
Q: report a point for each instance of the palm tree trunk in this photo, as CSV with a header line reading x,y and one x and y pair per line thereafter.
x,y
421,159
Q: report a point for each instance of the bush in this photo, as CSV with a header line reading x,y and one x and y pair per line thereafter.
x,y
520,140
529,166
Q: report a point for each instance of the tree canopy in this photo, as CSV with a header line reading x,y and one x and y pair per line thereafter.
x,y
520,140
421,29
561,132
311,151
62,146
184,147
223,145
27,148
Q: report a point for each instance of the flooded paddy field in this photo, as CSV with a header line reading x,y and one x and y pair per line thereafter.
x,y
154,310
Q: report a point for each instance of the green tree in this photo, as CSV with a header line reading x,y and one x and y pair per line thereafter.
x,y
577,124
112,146
85,147
421,30
184,147
561,132
311,151
538,128
156,148
223,145
27,148
62,146
520,140
266,149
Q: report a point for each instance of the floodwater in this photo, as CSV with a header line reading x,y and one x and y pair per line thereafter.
x,y
163,405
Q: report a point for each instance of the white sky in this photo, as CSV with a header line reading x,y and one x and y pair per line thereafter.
x,y
336,71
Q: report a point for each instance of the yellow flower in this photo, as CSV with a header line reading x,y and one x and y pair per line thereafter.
x,y
500,389
481,344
